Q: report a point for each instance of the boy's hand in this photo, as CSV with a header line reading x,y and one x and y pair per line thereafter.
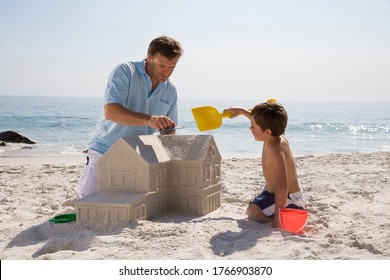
x,y
275,224
236,111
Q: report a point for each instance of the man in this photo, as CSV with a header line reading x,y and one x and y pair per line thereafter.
x,y
139,99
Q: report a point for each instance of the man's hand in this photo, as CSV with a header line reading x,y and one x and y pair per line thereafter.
x,y
119,114
160,122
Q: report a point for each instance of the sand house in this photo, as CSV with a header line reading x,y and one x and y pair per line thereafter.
x,y
142,176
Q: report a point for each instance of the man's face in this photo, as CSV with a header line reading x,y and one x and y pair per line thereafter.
x,y
160,68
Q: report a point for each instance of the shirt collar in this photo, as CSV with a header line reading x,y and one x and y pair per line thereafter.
x,y
141,67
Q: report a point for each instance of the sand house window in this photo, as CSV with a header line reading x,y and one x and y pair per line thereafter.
x,y
212,151
161,175
120,179
87,213
117,214
140,212
161,206
193,177
217,170
207,173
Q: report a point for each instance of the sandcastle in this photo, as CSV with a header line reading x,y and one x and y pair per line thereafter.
x,y
142,176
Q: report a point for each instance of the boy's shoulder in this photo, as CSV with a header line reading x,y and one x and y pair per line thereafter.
x,y
272,150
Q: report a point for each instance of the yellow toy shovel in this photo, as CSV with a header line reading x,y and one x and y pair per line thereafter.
x,y
208,117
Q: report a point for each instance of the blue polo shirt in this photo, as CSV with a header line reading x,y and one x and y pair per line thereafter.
x,y
130,86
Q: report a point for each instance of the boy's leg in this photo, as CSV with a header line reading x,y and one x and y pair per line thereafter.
x,y
261,204
254,213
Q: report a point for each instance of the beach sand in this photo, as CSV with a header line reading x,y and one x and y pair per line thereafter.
x,y
348,197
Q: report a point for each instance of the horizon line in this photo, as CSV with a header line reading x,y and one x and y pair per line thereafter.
x,y
210,99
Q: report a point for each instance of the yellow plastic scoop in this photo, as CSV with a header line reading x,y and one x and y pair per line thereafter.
x,y
208,117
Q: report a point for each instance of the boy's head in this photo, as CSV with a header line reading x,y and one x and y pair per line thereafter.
x,y
270,115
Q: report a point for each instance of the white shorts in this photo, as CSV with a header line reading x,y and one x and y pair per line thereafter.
x,y
88,180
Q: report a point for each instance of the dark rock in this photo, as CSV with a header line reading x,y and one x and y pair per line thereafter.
x,y
14,137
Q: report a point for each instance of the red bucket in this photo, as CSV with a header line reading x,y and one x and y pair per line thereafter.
x,y
293,220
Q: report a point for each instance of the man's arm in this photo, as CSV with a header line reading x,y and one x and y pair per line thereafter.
x,y
117,113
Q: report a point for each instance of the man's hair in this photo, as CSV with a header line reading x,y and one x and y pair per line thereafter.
x,y
166,46
270,115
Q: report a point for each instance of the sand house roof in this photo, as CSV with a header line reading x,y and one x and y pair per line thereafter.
x,y
163,148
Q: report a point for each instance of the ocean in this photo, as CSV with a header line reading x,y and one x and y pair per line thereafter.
x,y
62,126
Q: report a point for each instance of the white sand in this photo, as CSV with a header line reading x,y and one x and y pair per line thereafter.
x,y
348,198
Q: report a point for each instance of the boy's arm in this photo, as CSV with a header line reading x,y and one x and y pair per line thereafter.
x,y
281,184
236,111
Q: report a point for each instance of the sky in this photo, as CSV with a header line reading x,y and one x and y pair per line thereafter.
x,y
336,50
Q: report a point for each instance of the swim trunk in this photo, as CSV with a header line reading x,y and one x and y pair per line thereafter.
x,y
266,201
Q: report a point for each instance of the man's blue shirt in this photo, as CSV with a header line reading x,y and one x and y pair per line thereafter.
x,y
130,86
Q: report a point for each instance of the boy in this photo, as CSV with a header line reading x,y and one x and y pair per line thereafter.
x,y
282,190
